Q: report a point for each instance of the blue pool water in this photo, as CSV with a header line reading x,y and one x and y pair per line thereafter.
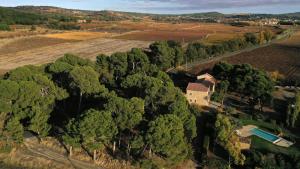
x,y
264,135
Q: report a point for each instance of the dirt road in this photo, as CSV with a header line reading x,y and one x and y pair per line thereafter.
x,y
41,151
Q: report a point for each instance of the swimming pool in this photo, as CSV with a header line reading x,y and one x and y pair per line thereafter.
x,y
265,135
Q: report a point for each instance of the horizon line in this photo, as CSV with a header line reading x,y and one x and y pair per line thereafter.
x,y
150,13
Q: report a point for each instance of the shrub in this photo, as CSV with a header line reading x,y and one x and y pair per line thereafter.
x,y
4,27
230,110
216,97
251,38
6,148
57,25
148,164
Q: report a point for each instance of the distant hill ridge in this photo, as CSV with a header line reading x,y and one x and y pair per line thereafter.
x,y
41,14
208,14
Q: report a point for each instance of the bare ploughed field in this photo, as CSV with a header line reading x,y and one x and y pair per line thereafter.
x,y
282,56
151,31
42,49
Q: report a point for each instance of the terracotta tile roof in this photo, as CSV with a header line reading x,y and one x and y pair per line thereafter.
x,y
197,87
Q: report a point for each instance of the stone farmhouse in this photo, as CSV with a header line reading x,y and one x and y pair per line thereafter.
x,y
199,92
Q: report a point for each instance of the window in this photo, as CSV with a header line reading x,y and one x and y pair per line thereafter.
x,y
191,100
195,101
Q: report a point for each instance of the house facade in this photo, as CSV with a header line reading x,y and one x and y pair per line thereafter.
x,y
199,92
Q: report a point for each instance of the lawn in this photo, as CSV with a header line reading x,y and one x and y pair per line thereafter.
x,y
265,146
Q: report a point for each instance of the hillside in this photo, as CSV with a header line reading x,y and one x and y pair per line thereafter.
x,y
13,16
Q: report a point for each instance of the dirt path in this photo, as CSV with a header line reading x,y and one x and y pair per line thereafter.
x,y
41,151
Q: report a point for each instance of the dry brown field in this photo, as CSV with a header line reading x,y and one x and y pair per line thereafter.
x,y
71,35
283,56
24,31
28,43
163,35
43,46
48,53
151,31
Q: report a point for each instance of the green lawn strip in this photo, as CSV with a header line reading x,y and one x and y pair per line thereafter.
x,y
263,145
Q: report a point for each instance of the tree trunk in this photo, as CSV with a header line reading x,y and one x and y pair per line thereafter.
x,y
128,148
150,152
79,105
144,149
114,147
95,155
229,162
133,66
119,143
71,151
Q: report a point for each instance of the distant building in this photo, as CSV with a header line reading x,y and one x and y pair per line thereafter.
x,y
81,21
199,92
269,21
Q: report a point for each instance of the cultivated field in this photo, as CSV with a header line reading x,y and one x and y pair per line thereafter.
x,y
78,35
87,49
28,43
151,31
24,31
43,46
282,56
163,35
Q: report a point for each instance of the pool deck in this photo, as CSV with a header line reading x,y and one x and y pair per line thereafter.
x,y
245,131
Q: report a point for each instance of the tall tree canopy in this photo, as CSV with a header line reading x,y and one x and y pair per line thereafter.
x,y
166,137
137,61
127,113
162,55
96,128
246,80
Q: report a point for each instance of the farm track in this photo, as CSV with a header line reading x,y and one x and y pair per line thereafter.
x,y
38,150
87,49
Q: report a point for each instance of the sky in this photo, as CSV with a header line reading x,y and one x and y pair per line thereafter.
x,y
169,6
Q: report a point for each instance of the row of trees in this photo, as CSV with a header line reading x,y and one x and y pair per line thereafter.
x,y
197,50
62,25
121,103
167,54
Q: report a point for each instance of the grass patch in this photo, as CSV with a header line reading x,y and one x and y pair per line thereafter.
x,y
5,148
265,146
8,166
